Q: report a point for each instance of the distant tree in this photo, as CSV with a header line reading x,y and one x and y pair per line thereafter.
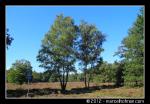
x,y
9,39
37,77
56,51
107,72
54,78
132,52
80,77
11,75
73,77
119,73
89,48
46,76
18,72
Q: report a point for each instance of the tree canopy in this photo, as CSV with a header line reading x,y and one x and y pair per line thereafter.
x,y
89,47
19,71
56,51
9,39
132,51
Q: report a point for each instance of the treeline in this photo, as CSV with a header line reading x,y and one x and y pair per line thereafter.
x,y
66,43
105,73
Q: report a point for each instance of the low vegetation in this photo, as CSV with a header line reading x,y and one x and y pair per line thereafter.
x,y
73,90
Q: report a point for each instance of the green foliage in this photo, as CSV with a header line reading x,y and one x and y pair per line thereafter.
x,y
74,77
119,73
89,48
11,75
9,39
46,76
66,42
107,72
37,77
57,46
80,77
97,79
18,72
53,78
132,50
134,81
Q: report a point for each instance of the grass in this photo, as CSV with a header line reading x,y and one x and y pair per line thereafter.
x,y
74,90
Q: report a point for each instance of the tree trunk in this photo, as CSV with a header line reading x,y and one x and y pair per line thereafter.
x,y
88,84
85,80
89,80
61,81
66,78
64,81
63,88
62,85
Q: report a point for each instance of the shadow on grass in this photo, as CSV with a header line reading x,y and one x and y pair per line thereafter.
x,y
90,89
34,92
16,93
49,91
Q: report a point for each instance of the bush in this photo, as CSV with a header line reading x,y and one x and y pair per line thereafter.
x,y
18,72
133,81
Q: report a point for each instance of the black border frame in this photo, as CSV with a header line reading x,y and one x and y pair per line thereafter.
x,y
59,2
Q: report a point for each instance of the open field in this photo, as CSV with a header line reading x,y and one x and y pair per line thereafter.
x,y
74,90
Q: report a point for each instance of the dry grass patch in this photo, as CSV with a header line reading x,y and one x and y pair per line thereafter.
x,y
74,90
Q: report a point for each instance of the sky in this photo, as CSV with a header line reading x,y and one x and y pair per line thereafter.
x,y
28,25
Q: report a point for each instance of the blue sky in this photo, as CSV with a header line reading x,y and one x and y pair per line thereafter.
x,y
28,25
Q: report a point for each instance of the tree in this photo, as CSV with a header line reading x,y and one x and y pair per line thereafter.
x,y
119,73
107,72
56,51
9,39
132,50
37,77
73,77
80,77
89,48
18,71
53,78
46,75
11,75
